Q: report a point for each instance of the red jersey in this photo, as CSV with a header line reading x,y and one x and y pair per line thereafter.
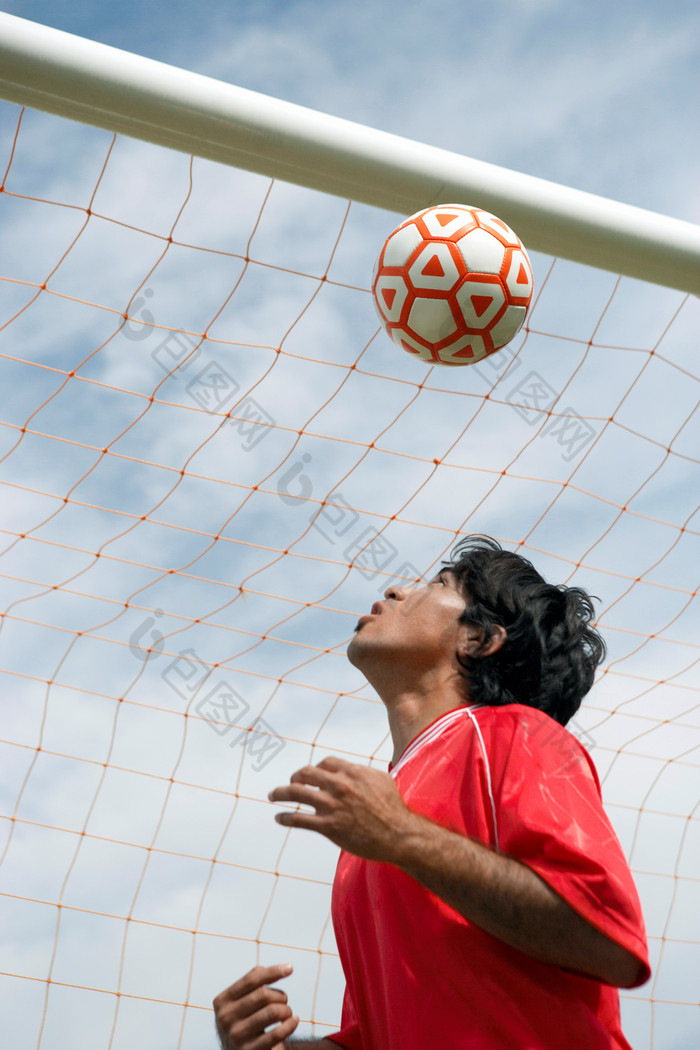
x,y
418,975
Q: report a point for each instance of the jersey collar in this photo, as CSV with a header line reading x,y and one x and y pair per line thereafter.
x,y
431,732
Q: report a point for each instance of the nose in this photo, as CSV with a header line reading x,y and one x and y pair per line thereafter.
x,y
397,593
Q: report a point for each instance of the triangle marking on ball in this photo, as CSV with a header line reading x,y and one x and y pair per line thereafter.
x,y
523,277
388,295
481,303
445,218
433,268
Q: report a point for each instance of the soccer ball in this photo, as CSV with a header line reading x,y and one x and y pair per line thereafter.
x,y
452,284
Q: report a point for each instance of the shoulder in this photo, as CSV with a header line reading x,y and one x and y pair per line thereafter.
x,y
524,735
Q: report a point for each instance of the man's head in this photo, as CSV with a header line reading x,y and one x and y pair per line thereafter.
x,y
550,651
486,630
410,642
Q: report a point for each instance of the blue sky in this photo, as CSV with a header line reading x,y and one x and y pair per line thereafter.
x,y
595,96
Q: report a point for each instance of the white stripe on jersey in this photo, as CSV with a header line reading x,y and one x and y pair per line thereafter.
x,y
435,730
488,780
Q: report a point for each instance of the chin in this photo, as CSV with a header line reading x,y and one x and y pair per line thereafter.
x,y
355,650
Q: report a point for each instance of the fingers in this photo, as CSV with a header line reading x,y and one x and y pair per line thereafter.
x,y
306,796
318,776
258,998
306,787
334,764
251,1034
323,776
256,977
308,821
323,788
247,1007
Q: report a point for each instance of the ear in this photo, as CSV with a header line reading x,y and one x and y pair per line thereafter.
x,y
473,643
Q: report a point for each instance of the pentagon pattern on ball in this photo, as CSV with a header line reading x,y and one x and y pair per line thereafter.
x,y
391,292
402,243
519,277
449,221
482,252
432,319
452,284
499,228
481,301
437,267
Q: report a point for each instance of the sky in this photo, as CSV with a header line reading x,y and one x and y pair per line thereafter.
x,y
217,548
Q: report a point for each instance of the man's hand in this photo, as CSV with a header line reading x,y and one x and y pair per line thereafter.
x,y
245,1009
358,808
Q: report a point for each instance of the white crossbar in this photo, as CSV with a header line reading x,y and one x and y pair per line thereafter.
x,y
103,86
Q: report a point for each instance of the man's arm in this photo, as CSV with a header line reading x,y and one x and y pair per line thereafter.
x,y
508,900
361,810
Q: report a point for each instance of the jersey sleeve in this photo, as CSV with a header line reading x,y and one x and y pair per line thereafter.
x,y
550,816
348,1036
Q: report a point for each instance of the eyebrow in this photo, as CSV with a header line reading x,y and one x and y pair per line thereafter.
x,y
454,580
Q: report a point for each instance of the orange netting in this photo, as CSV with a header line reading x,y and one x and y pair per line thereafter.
x,y
211,463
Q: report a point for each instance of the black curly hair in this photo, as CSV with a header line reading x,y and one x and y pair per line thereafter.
x,y
550,654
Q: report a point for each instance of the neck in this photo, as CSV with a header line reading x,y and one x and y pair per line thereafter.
x,y
411,710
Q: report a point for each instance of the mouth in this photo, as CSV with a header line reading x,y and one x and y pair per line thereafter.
x,y
376,610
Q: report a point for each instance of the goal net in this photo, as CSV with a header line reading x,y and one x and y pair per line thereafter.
x,y
212,461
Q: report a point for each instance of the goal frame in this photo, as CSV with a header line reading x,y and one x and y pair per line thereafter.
x,y
67,75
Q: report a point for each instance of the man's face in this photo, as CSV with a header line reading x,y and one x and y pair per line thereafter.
x,y
418,625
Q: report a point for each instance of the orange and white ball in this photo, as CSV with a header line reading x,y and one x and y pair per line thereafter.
x,y
452,284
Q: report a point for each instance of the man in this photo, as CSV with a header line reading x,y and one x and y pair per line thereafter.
x,y
481,899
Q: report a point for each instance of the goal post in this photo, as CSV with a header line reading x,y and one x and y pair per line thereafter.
x,y
67,75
